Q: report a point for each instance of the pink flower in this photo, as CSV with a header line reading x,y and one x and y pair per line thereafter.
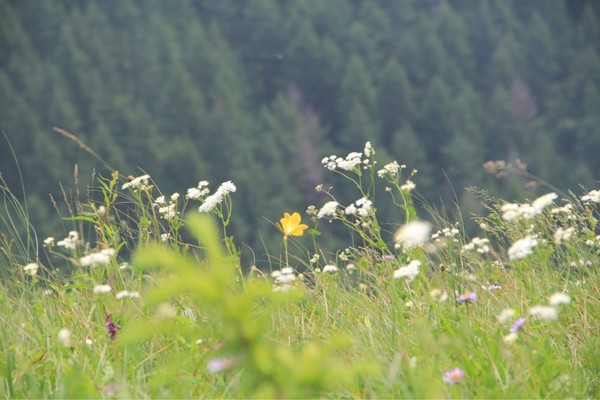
x,y
455,375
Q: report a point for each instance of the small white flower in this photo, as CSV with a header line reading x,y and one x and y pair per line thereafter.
x,y
547,313
140,182
70,242
64,337
510,338
408,186
165,237
330,268
506,315
160,200
127,294
522,248
100,289
101,211
413,234
409,304
328,209
31,269
409,271
369,150
49,241
563,234
559,298
544,201
89,341
591,197
216,198
174,196
100,258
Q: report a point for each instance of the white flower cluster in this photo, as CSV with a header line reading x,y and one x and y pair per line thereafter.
x,y
328,209
200,191
283,279
369,150
330,268
409,186
438,294
446,233
591,197
390,170
361,207
409,272
101,289
127,294
217,197
97,259
566,209
512,211
141,182
31,269
334,162
478,244
70,242
413,234
522,248
49,241
563,235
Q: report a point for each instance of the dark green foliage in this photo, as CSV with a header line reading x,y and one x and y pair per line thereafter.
x,y
251,90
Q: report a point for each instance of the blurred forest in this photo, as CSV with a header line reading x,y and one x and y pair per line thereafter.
x,y
258,91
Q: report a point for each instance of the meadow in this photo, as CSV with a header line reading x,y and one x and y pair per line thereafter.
x,y
144,296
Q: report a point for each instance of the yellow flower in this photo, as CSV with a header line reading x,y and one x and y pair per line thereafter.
x,y
290,225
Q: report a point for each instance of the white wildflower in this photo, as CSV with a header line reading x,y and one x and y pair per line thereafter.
x,y
409,271
328,209
101,211
547,313
506,315
566,209
49,241
31,269
174,196
284,276
510,338
413,234
70,242
100,289
563,234
96,259
169,212
89,341
591,197
330,268
559,298
522,248
544,201
216,198
64,337
140,182
127,294
369,150
165,237
160,200
409,304
408,186
390,170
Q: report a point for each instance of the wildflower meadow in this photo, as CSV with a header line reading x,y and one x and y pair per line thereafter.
x,y
145,295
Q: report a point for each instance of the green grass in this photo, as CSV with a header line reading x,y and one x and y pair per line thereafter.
x,y
205,326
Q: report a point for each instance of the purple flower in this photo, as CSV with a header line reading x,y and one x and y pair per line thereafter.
x,y
112,327
466,297
455,375
518,324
